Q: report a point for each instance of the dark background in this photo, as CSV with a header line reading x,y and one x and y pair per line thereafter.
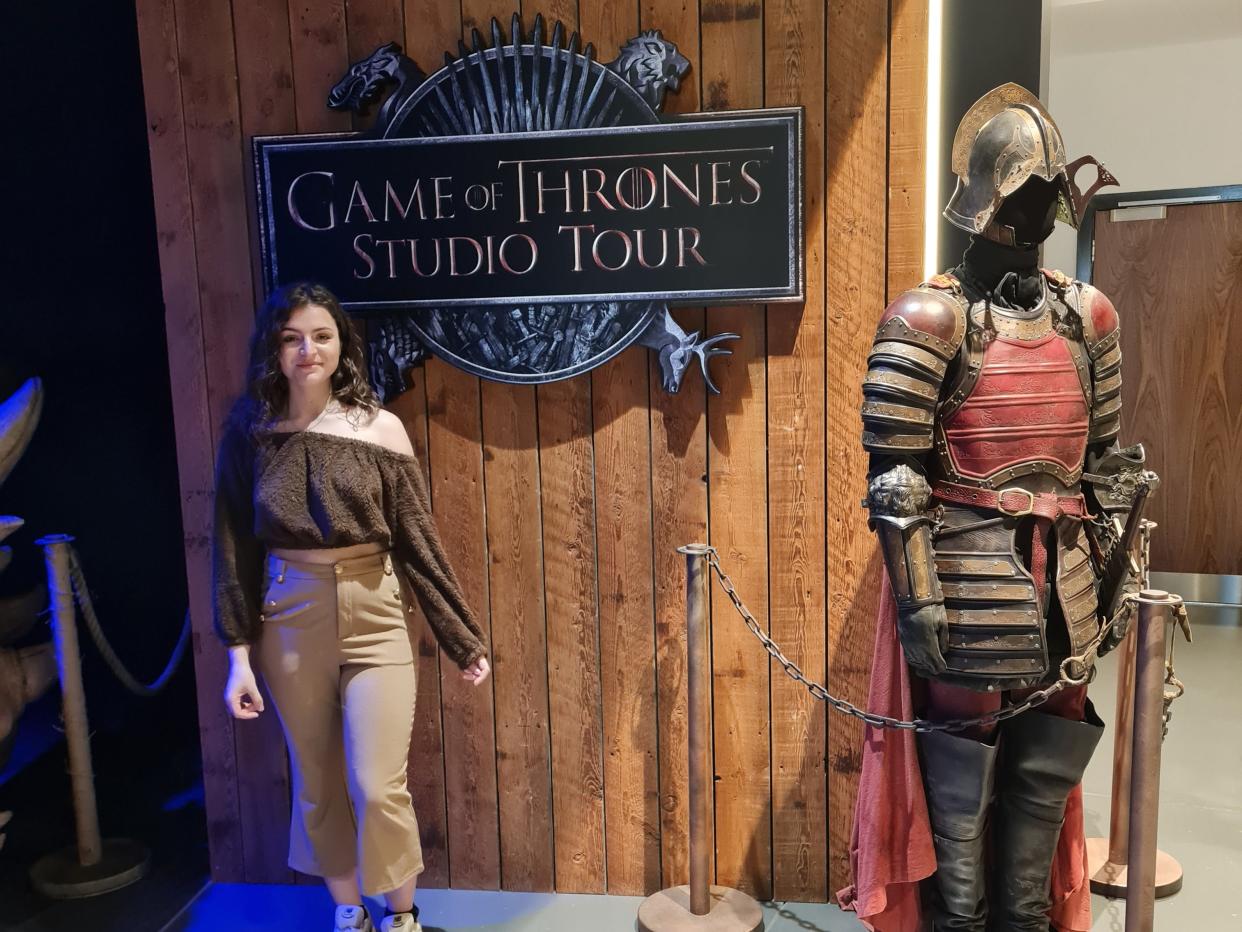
x,y
83,310
985,44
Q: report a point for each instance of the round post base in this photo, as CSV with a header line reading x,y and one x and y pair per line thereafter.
x,y
1109,879
60,876
669,911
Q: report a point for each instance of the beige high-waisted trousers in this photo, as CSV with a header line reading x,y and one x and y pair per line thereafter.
x,y
335,654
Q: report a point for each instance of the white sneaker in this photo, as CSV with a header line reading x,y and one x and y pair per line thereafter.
x,y
401,922
353,919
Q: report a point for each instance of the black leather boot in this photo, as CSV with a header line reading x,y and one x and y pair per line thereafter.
x,y
958,775
1042,758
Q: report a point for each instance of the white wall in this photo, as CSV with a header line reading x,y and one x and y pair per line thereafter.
x,y
1152,88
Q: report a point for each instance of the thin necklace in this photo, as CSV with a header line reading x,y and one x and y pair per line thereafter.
x,y
321,415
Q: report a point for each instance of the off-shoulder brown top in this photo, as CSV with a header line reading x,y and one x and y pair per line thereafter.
x,y
308,489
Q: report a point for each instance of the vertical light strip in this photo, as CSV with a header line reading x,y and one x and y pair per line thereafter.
x,y
931,188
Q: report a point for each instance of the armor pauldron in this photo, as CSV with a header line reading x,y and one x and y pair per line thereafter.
x,y
917,338
1102,334
898,501
1106,406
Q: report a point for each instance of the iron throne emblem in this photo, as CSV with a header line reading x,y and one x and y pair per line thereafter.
x,y
524,85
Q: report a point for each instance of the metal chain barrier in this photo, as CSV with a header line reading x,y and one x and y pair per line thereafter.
x,y
818,692
82,596
1173,687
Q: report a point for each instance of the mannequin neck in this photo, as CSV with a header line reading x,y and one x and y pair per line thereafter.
x,y
1008,274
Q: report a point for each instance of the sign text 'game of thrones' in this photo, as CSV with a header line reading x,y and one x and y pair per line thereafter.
x,y
692,211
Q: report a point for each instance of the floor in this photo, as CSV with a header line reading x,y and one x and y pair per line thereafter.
x,y
158,801
250,908
1201,825
1200,785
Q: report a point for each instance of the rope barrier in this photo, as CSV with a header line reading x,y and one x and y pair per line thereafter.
x,y
83,597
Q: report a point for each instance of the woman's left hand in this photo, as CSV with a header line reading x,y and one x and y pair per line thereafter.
x,y
477,672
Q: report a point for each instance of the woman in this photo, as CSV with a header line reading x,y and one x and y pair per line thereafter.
x,y
313,472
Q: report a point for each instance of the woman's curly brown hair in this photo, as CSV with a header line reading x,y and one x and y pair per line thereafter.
x,y
266,398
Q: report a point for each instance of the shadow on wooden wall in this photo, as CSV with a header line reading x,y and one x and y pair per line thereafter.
x,y
561,506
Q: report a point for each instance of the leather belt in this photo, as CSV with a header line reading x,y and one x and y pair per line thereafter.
x,y
1044,507
1014,502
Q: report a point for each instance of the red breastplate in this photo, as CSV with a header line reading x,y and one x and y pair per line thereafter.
x,y
1027,405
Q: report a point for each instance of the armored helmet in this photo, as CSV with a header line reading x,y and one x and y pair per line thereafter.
x,y
1005,138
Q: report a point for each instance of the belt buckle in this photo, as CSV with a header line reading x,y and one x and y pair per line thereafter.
x,y
1029,509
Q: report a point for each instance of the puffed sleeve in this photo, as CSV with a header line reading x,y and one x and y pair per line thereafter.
x,y
420,557
237,555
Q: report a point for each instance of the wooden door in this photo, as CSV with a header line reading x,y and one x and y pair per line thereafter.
x,y
1177,285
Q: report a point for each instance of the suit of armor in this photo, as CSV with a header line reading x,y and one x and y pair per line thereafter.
x,y
999,409
993,391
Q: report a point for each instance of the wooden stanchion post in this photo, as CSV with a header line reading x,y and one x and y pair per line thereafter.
x,y
93,865
701,906
73,700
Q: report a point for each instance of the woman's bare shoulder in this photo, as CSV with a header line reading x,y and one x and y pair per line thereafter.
x,y
387,430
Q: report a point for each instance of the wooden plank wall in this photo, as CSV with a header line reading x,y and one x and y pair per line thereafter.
x,y
561,505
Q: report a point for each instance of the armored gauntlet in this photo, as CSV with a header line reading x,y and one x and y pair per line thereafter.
x,y
898,501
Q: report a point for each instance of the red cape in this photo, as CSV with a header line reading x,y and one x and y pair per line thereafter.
x,y
891,849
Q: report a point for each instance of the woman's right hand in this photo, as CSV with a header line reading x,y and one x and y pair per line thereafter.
x,y
477,672
241,693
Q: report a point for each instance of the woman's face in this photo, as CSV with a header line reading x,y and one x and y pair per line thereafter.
x,y
310,347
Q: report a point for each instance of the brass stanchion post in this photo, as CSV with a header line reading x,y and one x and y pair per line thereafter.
x,y
1108,858
1123,747
1154,608
92,866
701,906
698,689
